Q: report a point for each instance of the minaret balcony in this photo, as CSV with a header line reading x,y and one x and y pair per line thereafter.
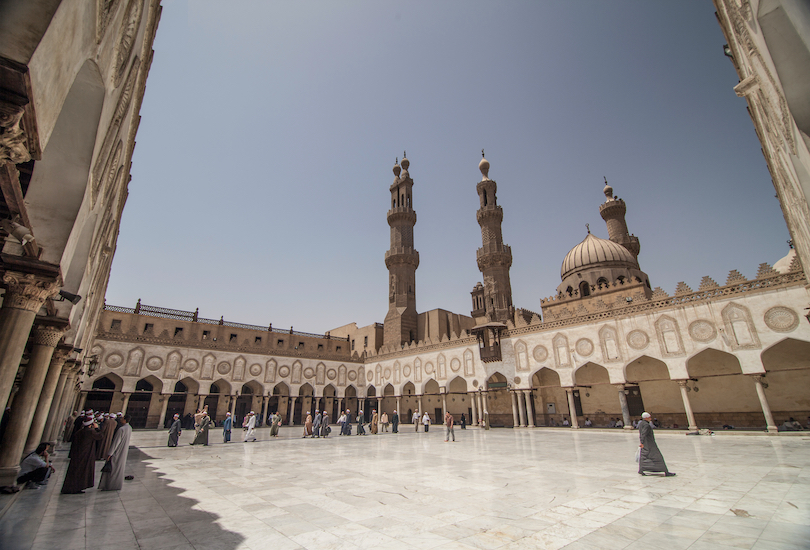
x,y
401,214
401,256
489,212
612,209
494,255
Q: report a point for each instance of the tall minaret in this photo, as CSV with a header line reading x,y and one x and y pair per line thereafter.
x,y
494,258
613,211
401,261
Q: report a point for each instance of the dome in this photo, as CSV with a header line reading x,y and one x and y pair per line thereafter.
x,y
783,265
596,252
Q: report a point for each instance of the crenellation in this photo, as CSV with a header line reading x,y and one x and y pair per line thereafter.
x,y
707,283
735,276
765,270
682,288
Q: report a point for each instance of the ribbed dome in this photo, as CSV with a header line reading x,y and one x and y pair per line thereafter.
x,y
593,252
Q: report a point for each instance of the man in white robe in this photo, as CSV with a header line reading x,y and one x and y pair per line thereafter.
x,y
250,434
117,455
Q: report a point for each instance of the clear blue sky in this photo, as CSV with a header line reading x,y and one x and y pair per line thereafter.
x,y
269,129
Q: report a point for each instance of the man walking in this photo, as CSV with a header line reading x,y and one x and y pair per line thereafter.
x,y
316,424
114,479
448,427
250,434
395,422
227,427
415,421
360,422
650,458
175,431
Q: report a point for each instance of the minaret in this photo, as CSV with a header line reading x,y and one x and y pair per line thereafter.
x,y
613,211
494,257
401,261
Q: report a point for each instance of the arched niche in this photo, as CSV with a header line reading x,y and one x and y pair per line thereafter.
x,y
431,387
408,389
646,368
787,379
281,389
591,374
388,390
457,385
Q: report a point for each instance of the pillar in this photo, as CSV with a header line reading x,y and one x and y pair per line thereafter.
x,y
527,398
379,405
45,339
690,416
515,421
444,405
340,407
83,398
233,404
25,295
572,408
65,405
55,415
474,408
292,410
483,402
265,401
766,409
200,402
419,401
628,423
163,408
46,398
125,404
399,411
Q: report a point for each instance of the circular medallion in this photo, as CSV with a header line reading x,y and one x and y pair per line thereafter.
x,y
331,374
154,363
406,370
475,383
781,319
191,365
96,350
517,379
387,373
428,368
283,371
224,368
369,376
702,330
114,360
638,339
455,365
352,375
540,354
584,347
255,369
309,372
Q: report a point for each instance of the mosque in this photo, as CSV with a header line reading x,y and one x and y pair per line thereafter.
x,y
606,344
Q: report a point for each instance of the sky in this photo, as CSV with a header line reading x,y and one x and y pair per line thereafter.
x,y
269,130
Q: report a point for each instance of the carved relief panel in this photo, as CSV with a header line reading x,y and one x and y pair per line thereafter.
x,y
270,372
609,342
669,336
341,376
207,371
740,328
561,354
320,374
521,356
134,362
417,370
441,363
173,365
397,373
239,369
469,363
296,372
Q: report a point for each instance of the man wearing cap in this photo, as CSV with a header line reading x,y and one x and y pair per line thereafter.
x,y
251,427
227,426
114,480
80,473
316,424
650,458
175,431
107,432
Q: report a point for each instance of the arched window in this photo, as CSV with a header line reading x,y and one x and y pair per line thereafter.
x,y
621,279
569,291
584,289
485,198
214,389
103,383
143,385
180,388
601,282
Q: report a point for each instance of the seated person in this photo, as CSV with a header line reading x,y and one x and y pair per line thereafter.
x,y
612,423
787,426
565,422
35,467
635,424
619,423
796,425
552,423
588,423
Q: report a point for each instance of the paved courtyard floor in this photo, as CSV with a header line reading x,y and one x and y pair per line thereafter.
x,y
503,488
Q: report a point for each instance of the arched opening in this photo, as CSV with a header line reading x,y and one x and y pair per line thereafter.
x,y
584,289
601,282
594,398
432,401
787,366
569,291
370,402
351,403
458,402
550,401
101,396
388,402
498,401
212,400
279,401
330,403
648,380
177,403
144,403
408,402
244,404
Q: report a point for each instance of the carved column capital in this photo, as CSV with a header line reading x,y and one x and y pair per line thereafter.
x,y
13,142
47,336
682,383
27,291
60,356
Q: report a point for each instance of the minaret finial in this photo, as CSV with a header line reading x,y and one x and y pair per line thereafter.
x,y
484,167
605,180
404,154
482,153
588,227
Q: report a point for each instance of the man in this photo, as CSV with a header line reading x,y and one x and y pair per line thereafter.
x,y
198,416
448,427
375,422
35,468
650,458
114,480
325,429
227,426
486,419
395,422
463,422
77,424
347,423
107,432
275,424
360,421
316,424
384,421
415,420
202,433
81,471
175,431
251,427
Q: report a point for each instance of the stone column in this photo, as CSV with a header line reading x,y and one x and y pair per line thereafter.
x,y
484,404
515,421
766,409
200,401
572,408
66,405
444,404
690,416
521,406
55,415
24,297
628,424
46,398
45,339
125,404
527,398
292,410
233,405
83,398
474,408
265,401
419,400
379,406
399,411
340,407
163,408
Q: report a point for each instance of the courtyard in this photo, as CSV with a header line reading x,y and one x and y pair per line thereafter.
x,y
504,488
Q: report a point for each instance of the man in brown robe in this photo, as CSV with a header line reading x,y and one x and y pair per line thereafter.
x,y
107,432
81,471
374,421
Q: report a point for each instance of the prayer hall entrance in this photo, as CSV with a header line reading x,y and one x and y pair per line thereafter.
x,y
100,397
139,401
177,403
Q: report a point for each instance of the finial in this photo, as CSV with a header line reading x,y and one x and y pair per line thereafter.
x,y
588,227
397,168
484,167
482,153
608,190
404,154
405,162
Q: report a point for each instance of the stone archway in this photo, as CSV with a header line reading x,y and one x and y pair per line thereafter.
x,y
409,402
279,401
144,403
657,393
105,393
458,402
432,401
550,400
350,402
498,401
594,397
787,379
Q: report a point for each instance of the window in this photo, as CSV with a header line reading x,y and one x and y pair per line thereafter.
x,y
280,343
601,283
365,341
337,348
300,345
257,340
232,339
206,334
148,327
352,345
320,347
116,324
584,289
178,331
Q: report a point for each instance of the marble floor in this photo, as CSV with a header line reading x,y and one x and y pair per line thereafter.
x,y
506,489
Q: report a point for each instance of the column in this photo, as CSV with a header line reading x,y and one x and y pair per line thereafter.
x,y
54,414
482,400
65,405
628,424
163,408
200,401
527,397
45,402
419,400
45,339
24,297
379,405
515,421
690,416
766,409
521,407
340,407
233,405
125,404
444,404
265,412
474,408
399,411
572,408
83,398
292,409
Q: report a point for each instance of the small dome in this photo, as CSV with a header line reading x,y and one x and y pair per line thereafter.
x,y
596,252
405,163
484,167
783,265
397,168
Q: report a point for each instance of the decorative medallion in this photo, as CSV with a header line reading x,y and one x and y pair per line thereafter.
x,y
283,371
702,330
370,376
584,347
154,363
114,360
540,354
352,375
331,374
516,379
455,365
475,383
781,319
428,368
406,371
96,350
387,373
309,372
638,339
191,365
255,369
224,368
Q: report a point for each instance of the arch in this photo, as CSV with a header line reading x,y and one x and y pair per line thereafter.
x,y
646,368
430,387
371,391
408,389
584,289
787,366
550,400
601,282
254,387
329,391
712,362
786,354
496,378
306,390
116,380
223,385
590,374
155,383
457,385
103,383
388,390
179,387
281,389
350,392
545,378
192,386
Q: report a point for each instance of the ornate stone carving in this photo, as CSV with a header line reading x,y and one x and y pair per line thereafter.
x,y
370,376
255,369
46,336
669,336
104,12
455,364
781,319
341,381
191,365
154,363
352,375
417,370
561,354
270,373
406,371
239,369
108,174
584,347
469,363
609,342
387,373
13,142
27,292
397,373
441,370
702,330
309,372
540,353
207,370
224,368
320,374
361,376
114,360
428,368
521,356
740,330
173,365
331,374
126,39
134,362
96,350
284,371
638,340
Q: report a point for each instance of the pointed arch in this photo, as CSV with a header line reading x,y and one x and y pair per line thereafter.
x,y
457,385
645,369
192,386
306,389
109,381
281,389
590,374
223,385
430,387
388,390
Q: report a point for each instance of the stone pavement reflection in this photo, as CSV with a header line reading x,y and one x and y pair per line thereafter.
x,y
509,489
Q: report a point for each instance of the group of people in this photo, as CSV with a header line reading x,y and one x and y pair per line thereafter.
x,y
203,422
94,436
317,427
